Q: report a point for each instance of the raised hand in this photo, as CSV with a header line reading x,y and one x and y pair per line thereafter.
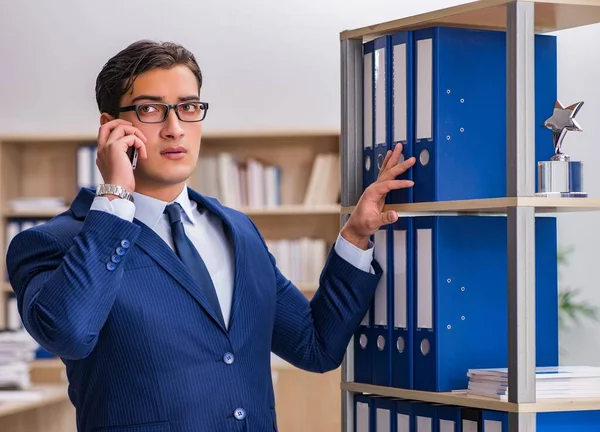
x,y
367,216
114,139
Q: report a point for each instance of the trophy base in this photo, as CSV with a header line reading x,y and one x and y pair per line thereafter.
x,y
560,178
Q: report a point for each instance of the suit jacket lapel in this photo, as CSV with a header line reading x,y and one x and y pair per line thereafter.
x,y
236,239
164,256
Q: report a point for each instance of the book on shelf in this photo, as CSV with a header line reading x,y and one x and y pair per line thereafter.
x,y
239,183
324,184
252,183
300,260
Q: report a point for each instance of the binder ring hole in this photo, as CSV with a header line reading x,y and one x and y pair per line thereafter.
x,y
368,163
424,157
363,341
380,343
400,344
425,347
379,161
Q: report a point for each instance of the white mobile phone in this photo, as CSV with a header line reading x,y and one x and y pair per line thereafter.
x,y
133,156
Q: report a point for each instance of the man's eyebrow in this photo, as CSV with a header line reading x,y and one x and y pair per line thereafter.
x,y
189,98
147,97
160,99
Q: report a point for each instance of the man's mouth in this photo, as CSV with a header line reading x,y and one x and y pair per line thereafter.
x,y
174,153
173,150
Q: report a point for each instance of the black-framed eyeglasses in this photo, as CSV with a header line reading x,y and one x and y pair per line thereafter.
x,y
156,112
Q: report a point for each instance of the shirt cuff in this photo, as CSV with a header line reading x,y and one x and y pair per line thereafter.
x,y
120,207
361,259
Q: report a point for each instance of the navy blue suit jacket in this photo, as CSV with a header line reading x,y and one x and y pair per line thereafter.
x,y
144,352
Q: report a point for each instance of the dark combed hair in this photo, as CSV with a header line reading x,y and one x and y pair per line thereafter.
x,y
118,74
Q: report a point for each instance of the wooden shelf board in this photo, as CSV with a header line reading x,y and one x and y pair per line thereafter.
x,y
293,210
52,394
42,214
208,135
471,401
550,15
492,206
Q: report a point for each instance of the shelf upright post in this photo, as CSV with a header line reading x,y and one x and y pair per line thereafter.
x,y
520,167
351,175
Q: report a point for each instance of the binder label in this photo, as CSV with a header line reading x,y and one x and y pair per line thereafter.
x,y
362,417
447,426
383,420
424,424
380,254
424,280
424,79
400,306
368,101
380,93
399,77
492,426
403,422
469,426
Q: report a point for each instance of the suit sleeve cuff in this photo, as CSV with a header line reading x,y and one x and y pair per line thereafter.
x,y
120,207
361,259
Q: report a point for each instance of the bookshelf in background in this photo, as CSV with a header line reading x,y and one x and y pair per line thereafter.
x,y
298,214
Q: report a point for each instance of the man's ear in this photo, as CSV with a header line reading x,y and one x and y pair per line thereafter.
x,y
105,118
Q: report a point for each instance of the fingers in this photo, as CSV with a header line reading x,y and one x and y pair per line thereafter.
x,y
391,162
398,169
116,129
107,128
132,141
380,189
123,130
388,217
385,161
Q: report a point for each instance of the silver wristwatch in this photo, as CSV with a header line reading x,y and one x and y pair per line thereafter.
x,y
111,189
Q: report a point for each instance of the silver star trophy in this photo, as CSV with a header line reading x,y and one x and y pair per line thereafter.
x,y
560,176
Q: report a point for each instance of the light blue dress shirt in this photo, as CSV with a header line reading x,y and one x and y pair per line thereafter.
x,y
207,233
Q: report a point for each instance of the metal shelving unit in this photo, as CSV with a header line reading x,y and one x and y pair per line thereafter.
x,y
521,19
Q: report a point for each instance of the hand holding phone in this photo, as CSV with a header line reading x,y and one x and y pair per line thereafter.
x,y
119,146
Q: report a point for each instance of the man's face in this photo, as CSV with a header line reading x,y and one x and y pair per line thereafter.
x,y
173,145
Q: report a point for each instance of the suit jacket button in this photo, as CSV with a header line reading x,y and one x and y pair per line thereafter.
x,y
239,414
111,266
115,258
121,251
228,358
125,243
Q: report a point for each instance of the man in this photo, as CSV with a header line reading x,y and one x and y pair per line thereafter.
x,y
164,304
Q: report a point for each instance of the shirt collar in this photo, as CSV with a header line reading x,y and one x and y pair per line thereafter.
x,y
149,210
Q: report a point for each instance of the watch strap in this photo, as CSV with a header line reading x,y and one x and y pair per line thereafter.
x,y
112,189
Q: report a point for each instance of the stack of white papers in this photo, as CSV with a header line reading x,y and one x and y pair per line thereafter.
x,y
17,349
558,382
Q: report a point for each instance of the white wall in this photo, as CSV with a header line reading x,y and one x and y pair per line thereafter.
x,y
277,67
273,68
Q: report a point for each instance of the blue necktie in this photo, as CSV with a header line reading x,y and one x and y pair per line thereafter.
x,y
190,257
